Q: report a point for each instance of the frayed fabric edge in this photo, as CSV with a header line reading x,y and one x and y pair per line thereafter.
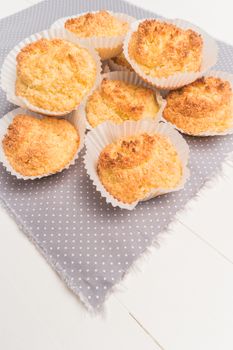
x,y
55,265
135,266
164,234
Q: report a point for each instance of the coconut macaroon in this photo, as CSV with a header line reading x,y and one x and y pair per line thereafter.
x,y
206,105
118,101
37,147
120,62
132,166
162,49
54,74
99,24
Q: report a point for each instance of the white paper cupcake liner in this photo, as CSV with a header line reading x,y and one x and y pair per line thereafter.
x,y
108,132
209,57
115,67
97,42
5,121
8,71
130,78
217,74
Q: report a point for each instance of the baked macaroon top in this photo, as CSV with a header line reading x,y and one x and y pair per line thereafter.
x,y
205,96
118,101
54,74
132,166
122,61
100,23
204,105
37,147
162,49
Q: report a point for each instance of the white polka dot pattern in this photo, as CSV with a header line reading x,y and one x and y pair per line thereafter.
x,y
89,243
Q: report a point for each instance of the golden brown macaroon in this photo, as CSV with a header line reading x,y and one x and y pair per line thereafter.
x,y
54,74
162,49
132,166
122,61
99,24
206,105
118,101
37,147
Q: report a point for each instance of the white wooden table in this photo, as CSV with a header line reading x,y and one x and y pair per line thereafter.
x,y
182,299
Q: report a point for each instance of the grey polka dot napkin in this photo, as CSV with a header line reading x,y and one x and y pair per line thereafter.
x,y
89,243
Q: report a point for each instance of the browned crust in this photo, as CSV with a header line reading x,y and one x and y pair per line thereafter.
x,y
100,23
40,46
206,104
130,167
162,49
39,147
129,153
54,74
118,101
